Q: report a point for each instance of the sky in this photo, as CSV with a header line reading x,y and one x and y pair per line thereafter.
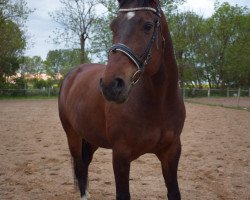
x,y
40,26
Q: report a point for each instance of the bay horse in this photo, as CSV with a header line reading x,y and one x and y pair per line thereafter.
x,y
132,105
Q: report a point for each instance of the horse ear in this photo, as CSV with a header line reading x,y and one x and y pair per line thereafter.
x,y
155,2
158,1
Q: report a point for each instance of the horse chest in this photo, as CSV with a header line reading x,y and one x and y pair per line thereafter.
x,y
137,135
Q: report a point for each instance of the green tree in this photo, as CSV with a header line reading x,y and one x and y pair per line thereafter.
x,y
14,10
237,59
76,18
212,50
102,35
13,15
186,31
12,44
62,61
32,65
225,31
170,7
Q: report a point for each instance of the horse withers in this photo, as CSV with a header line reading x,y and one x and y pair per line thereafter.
x,y
132,105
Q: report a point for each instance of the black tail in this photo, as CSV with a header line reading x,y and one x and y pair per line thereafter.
x,y
81,169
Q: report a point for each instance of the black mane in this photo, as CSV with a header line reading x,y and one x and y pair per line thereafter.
x,y
139,3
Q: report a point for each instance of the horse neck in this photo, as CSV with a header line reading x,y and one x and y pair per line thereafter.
x,y
165,80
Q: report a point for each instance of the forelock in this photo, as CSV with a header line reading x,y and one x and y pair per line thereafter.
x,y
139,3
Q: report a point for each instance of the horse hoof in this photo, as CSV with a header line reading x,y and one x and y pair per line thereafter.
x,y
86,196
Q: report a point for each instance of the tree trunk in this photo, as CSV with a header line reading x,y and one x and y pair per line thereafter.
x,y
82,52
181,76
221,71
209,82
1,76
181,68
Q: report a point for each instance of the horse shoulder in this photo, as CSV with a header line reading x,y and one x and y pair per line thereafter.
x,y
83,104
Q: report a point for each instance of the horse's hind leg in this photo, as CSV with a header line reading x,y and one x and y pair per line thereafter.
x,y
82,154
169,158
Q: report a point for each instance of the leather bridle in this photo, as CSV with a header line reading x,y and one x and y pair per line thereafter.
x,y
139,61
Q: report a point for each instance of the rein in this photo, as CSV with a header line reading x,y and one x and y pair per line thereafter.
x,y
139,61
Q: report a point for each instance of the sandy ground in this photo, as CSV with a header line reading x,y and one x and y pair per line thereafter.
x,y
35,162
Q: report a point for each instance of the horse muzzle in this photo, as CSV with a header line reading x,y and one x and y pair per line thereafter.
x,y
115,91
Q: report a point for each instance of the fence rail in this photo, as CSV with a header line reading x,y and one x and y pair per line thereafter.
x,y
29,92
229,97
196,92
186,92
238,98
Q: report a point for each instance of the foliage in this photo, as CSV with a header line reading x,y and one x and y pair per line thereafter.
x,y
36,83
14,10
12,40
40,83
8,66
237,59
13,15
76,18
20,83
32,65
225,31
102,35
62,61
186,31
212,50
170,7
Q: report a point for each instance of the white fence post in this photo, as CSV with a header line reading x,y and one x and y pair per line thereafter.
x,y
208,92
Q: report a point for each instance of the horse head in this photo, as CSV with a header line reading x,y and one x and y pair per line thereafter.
x,y
137,50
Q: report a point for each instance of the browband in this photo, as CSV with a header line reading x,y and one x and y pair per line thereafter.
x,y
137,9
156,11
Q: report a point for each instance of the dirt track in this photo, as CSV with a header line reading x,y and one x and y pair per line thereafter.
x,y
35,162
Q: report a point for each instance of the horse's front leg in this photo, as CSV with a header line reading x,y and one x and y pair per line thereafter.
x,y
121,166
169,158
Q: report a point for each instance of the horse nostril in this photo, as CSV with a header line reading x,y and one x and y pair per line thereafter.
x,y
113,90
119,84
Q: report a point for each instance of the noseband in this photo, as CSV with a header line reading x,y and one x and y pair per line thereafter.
x,y
139,61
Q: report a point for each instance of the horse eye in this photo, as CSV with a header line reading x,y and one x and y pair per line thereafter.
x,y
148,27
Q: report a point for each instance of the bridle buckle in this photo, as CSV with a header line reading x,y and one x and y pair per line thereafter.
x,y
136,77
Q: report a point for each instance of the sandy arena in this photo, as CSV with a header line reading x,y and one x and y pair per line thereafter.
x,y
35,161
